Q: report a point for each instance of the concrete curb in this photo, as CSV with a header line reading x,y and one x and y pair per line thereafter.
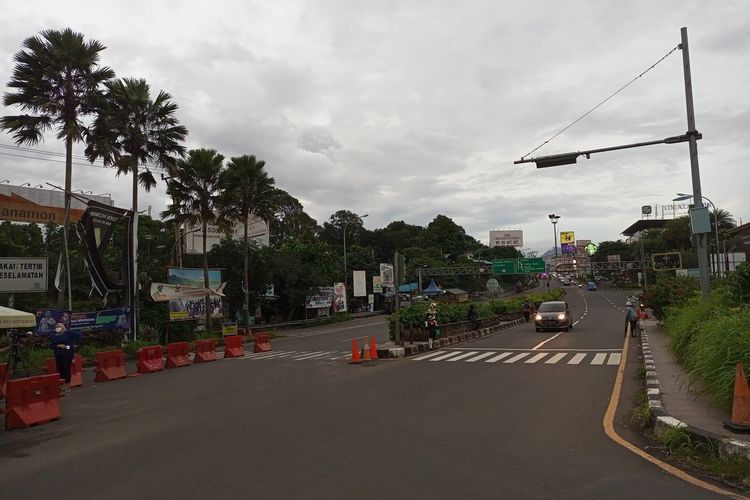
x,y
413,349
662,419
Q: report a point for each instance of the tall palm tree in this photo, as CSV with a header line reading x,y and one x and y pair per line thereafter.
x,y
195,196
130,131
57,78
246,190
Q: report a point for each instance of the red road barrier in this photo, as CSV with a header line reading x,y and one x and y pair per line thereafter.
x,y
110,365
233,346
76,370
177,354
262,344
32,401
205,350
148,359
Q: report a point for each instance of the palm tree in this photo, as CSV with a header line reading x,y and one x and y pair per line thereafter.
x,y
57,78
194,192
246,190
132,130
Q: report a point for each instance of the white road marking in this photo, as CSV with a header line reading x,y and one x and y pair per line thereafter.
x,y
309,354
446,356
577,358
536,357
614,358
324,354
516,357
542,343
428,356
557,357
498,357
481,356
599,358
464,355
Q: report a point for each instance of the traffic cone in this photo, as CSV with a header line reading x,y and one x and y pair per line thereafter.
x,y
373,349
356,359
741,404
366,354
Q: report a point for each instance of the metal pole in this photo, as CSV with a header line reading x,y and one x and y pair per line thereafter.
x,y
700,238
397,296
345,254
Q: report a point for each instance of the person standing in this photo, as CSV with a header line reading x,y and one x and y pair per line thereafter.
x,y
526,310
63,343
473,316
431,324
631,319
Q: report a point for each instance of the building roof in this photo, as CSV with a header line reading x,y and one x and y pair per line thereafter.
x,y
644,224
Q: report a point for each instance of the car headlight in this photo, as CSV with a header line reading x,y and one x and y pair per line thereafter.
x,y
561,316
538,317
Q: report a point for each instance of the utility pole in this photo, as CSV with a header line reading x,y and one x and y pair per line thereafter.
x,y
397,296
700,238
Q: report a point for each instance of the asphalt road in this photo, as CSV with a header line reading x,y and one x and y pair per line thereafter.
x,y
470,422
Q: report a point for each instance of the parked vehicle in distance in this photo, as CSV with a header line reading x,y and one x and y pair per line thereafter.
x,y
565,282
553,315
591,286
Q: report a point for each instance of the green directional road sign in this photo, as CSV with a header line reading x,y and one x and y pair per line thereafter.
x,y
504,266
535,265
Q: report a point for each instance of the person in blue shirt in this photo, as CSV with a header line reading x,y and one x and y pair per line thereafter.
x,y
63,343
631,319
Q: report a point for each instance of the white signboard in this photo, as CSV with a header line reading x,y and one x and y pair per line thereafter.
x,y
23,274
257,231
360,283
386,272
506,238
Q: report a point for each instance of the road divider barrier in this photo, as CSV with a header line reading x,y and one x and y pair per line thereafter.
x,y
740,421
233,346
76,370
205,350
262,344
178,354
110,365
149,359
32,401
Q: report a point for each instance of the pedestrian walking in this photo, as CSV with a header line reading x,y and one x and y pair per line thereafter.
x,y
63,343
631,319
473,316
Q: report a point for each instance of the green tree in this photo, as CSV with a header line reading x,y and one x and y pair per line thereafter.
x,y
290,220
56,78
194,192
133,131
246,189
445,234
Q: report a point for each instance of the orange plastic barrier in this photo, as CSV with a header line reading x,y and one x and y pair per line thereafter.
x,y
76,370
148,359
32,401
177,354
262,344
110,365
205,350
233,346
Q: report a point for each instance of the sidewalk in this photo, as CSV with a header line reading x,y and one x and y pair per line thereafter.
x,y
677,404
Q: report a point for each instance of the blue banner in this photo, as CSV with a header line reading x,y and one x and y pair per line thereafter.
x,y
82,322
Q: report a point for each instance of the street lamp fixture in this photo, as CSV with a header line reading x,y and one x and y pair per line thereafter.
x,y
345,225
685,196
554,218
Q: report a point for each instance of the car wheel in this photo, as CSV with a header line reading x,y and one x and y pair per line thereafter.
x,y
571,326
538,329
567,328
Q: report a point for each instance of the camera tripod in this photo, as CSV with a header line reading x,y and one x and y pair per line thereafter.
x,y
16,360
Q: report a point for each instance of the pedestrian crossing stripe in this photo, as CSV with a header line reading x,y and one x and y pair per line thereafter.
x,y
297,355
528,357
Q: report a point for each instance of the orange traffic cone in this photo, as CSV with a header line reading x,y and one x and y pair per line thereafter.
x,y
741,404
356,359
373,349
366,354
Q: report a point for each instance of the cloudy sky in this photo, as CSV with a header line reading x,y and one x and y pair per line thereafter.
x,y
405,109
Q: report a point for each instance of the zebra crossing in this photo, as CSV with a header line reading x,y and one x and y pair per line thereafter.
x,y
549,357
297,355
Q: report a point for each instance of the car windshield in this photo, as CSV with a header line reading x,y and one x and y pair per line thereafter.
x,y
552,306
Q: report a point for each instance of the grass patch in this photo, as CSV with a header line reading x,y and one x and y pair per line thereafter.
x,y
642,414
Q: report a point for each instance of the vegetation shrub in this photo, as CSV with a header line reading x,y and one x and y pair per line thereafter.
x,y
670,291
738,285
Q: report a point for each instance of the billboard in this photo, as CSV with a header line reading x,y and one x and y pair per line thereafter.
x,y
193,307
257,231
82,322
386,272
360,283
506,238
23,274
27,204
568,237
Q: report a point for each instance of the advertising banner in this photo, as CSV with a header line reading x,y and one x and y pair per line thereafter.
x,y
82,322
386,272
339,298
377,284
23,274
321,297
193,307
568,248
568,237
360,283
27,204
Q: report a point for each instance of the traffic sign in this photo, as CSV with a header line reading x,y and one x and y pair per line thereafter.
x,y
504,266
535,265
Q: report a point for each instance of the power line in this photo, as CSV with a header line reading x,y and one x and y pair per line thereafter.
x,y
55,160
605,100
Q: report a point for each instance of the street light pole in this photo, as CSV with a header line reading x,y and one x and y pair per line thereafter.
x,y
554,218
